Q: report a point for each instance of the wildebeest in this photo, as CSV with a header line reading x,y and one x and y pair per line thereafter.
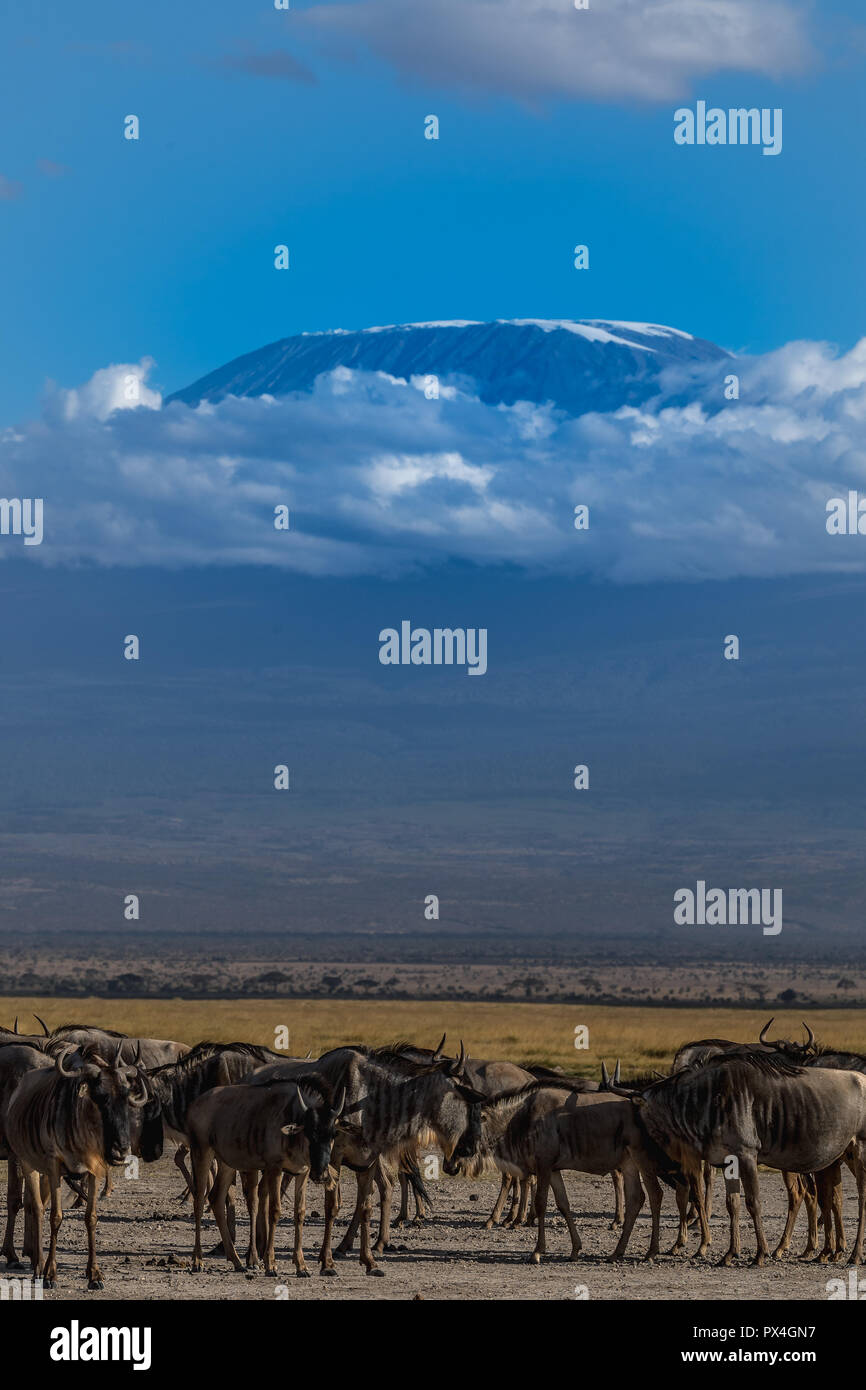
x,y
799,1188
690,1053
153,1052
74,1118
756,1107
268,1130
542,1130
394,1105
16,1060
178,1084
35,1039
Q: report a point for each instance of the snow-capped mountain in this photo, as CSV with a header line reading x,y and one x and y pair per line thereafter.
x,y
580,365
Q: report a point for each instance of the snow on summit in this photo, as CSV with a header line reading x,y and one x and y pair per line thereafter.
x,y
577,364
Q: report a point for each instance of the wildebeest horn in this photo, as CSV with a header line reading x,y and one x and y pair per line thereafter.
x,y
136,1061
761,1037
303,1104
60,1058
438,1053
616,1073
811,1039
145,1091
340,1103
605,1079
309,1054
15,1025
118,1054
461,1060
43,1023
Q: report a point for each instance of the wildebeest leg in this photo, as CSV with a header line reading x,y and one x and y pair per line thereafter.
x,y
262,1217
824,1182
14,1203
365,1202
180,1155
385,1184
300,1208
654,1193
345,1246
540,1213
811,1200
33,1205
332,1202
107,1186
55,1188
274,1211
752,1189
200,1159
860,1174
515,1202
618,1200
634,1198
251,1192
709,1179
732,1202
94,1277
560,1196
682,1197
403,1214
696,1186
837,1208
795,1187
217,1199
496,1214
521,1219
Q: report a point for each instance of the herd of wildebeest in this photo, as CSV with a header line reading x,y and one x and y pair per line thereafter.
x,y
77,1101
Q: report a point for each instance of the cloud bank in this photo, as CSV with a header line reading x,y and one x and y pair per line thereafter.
x,y
531,50
381,480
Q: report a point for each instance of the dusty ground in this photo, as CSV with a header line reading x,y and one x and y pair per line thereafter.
x,y
143,1227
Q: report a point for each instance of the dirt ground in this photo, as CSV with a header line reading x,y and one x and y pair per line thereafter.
x,y
145,1241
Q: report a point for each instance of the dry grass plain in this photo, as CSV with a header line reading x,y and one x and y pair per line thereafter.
x,y
643,1038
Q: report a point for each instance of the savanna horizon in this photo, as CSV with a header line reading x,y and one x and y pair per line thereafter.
x,y
642,1038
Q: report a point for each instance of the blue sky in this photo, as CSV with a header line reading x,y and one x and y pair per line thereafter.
x,y
164,247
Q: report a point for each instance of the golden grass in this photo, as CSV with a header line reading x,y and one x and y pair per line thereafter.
x,y
643,1038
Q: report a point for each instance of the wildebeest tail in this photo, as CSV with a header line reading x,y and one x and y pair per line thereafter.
x,y
416,1182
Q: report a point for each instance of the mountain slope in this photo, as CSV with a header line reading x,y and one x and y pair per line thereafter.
x,y
579,365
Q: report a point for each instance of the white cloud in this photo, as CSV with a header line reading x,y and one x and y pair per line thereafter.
x,y
380,480
651,50
118,387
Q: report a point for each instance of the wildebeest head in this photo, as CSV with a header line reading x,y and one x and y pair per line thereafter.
x,y
113,1088
468,1144
796,1051
319,1126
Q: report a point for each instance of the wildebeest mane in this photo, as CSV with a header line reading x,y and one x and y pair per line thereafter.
x,y
520,1093
768,1063
203,1051
86,1027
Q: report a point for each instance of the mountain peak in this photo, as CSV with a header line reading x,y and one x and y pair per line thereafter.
x,y
578,364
